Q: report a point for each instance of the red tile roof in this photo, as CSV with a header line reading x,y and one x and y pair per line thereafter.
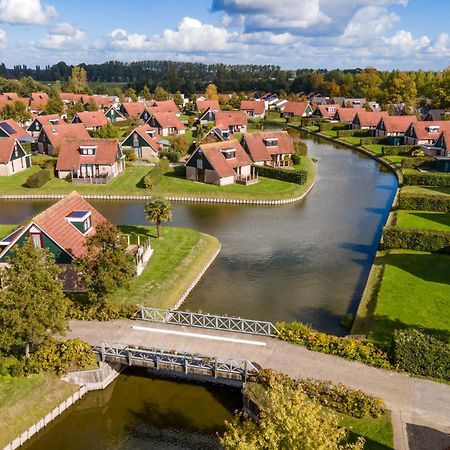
x,y
260,152
6,149
10,96
39,100
422,132
203,105
397,124
328,111
53,222
102,101
70,97
253,105
92,119
225,167
142,131
55,133
133,108
167,106
226,119
70,156
168,120
369,118
44,119
296,108
347,114
19,132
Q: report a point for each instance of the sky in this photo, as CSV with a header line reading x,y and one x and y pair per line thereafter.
x,y
387,34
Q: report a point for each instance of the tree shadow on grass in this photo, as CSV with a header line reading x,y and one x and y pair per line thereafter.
x,y
440,189
441,218
370,444
136,229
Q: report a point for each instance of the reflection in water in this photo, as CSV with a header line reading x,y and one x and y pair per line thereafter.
x,y
307,261
138,412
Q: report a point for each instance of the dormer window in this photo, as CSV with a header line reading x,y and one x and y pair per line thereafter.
x,y
37,125
88,150
229,153
271,142
54,121
433,129
151,133
331,109
81,220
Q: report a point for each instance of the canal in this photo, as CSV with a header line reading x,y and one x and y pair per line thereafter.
x,y
308,261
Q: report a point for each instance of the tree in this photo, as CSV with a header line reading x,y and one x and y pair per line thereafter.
x,y
16,110
78,82
158,210
179,143
288,420
211,92
131,93
145,93
161,94
107,265
32,301
402,89
109,131
91,105
73,109
367,83
178,99
54,106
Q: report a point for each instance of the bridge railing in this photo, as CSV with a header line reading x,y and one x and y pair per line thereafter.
x,y
218,366
209,321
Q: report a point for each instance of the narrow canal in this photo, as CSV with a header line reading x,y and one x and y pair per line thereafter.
x,y
307,261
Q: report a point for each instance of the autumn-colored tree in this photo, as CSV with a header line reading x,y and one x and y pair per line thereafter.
x,y
16,110
78,81
368,84
54,106
211,92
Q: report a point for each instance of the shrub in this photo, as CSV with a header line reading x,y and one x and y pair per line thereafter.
x,y
101,312
170,155
355,133
416,239
296,158
412,163
348,348
311,121
154,177
418,153
336,396
300,147
38,179
290,176
44,162
426,179
335,126
421,354
440,203
395,150
129,154
374,140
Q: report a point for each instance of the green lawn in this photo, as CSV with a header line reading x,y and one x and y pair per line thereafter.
x,y
377,433
426,190
179,255
6,229
330,133
351,140
129,182
374,148
414,292
424,219
24,400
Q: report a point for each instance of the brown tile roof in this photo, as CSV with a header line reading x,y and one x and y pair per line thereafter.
x,y
370,118
44,119
70,97
225,167
347,114
55,133
397,124
226,119
168,120
421,129
203,105
142,131
92,119
258,149
10,96
53,222
70,156
39,100
10,124
6,149
133,108
253,105
167,106
328,111
296,108
102,101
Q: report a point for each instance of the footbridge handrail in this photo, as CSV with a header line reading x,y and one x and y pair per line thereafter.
x,y
210,321
219,366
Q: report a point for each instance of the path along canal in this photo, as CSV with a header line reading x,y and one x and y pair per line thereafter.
x,y
307,261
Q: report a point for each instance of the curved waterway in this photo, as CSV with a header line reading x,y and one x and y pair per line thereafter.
x,y
308,261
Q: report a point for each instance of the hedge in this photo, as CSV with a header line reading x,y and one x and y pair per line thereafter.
x,y
44,161
413,163
38,179
374,140
348,348
291,176
154,177
337,396
326,126
395,150
311,121
440,203
426,179
422,354
355,133
416,239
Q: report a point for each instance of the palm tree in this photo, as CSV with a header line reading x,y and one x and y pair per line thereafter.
x,y
158,210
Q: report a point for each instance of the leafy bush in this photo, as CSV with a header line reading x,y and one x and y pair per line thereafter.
x,y
348,348
335,126
336,396
290,176
130,155
426,179
412,163
374,140
101,312
300,147
44,161
311,121
296,158
421,354
416,239
440,203
395,150
171,155
355,133
38,179
154,177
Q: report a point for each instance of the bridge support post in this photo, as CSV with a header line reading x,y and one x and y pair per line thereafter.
x,y
129,357
215,367
185,366
102,356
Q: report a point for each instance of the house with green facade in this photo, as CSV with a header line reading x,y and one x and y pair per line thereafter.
x,y
114,115
38,123
13,157
143,141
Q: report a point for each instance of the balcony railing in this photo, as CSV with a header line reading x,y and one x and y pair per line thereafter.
x,y
101,179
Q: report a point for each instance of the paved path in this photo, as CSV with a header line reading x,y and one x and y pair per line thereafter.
x,y
414,402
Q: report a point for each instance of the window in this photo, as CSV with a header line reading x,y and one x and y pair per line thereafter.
x,y
37,239
271,142
151,133
87,224
88,150
229,153
433,129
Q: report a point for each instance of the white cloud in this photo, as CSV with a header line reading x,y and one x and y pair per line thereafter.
x,y
403,43
2,38
63,36
121,39
26,12
441,45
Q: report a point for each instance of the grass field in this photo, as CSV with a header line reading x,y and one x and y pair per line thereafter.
x,y
414,292
426,190
374,148
351,140
129,182
24,400
424,219
6,229
179,255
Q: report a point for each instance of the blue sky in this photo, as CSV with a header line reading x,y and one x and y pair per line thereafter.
x,y
386,34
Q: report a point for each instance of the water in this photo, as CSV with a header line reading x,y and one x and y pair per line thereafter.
x,y
308,261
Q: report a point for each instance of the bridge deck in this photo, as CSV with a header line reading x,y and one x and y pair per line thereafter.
x,y
417,401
